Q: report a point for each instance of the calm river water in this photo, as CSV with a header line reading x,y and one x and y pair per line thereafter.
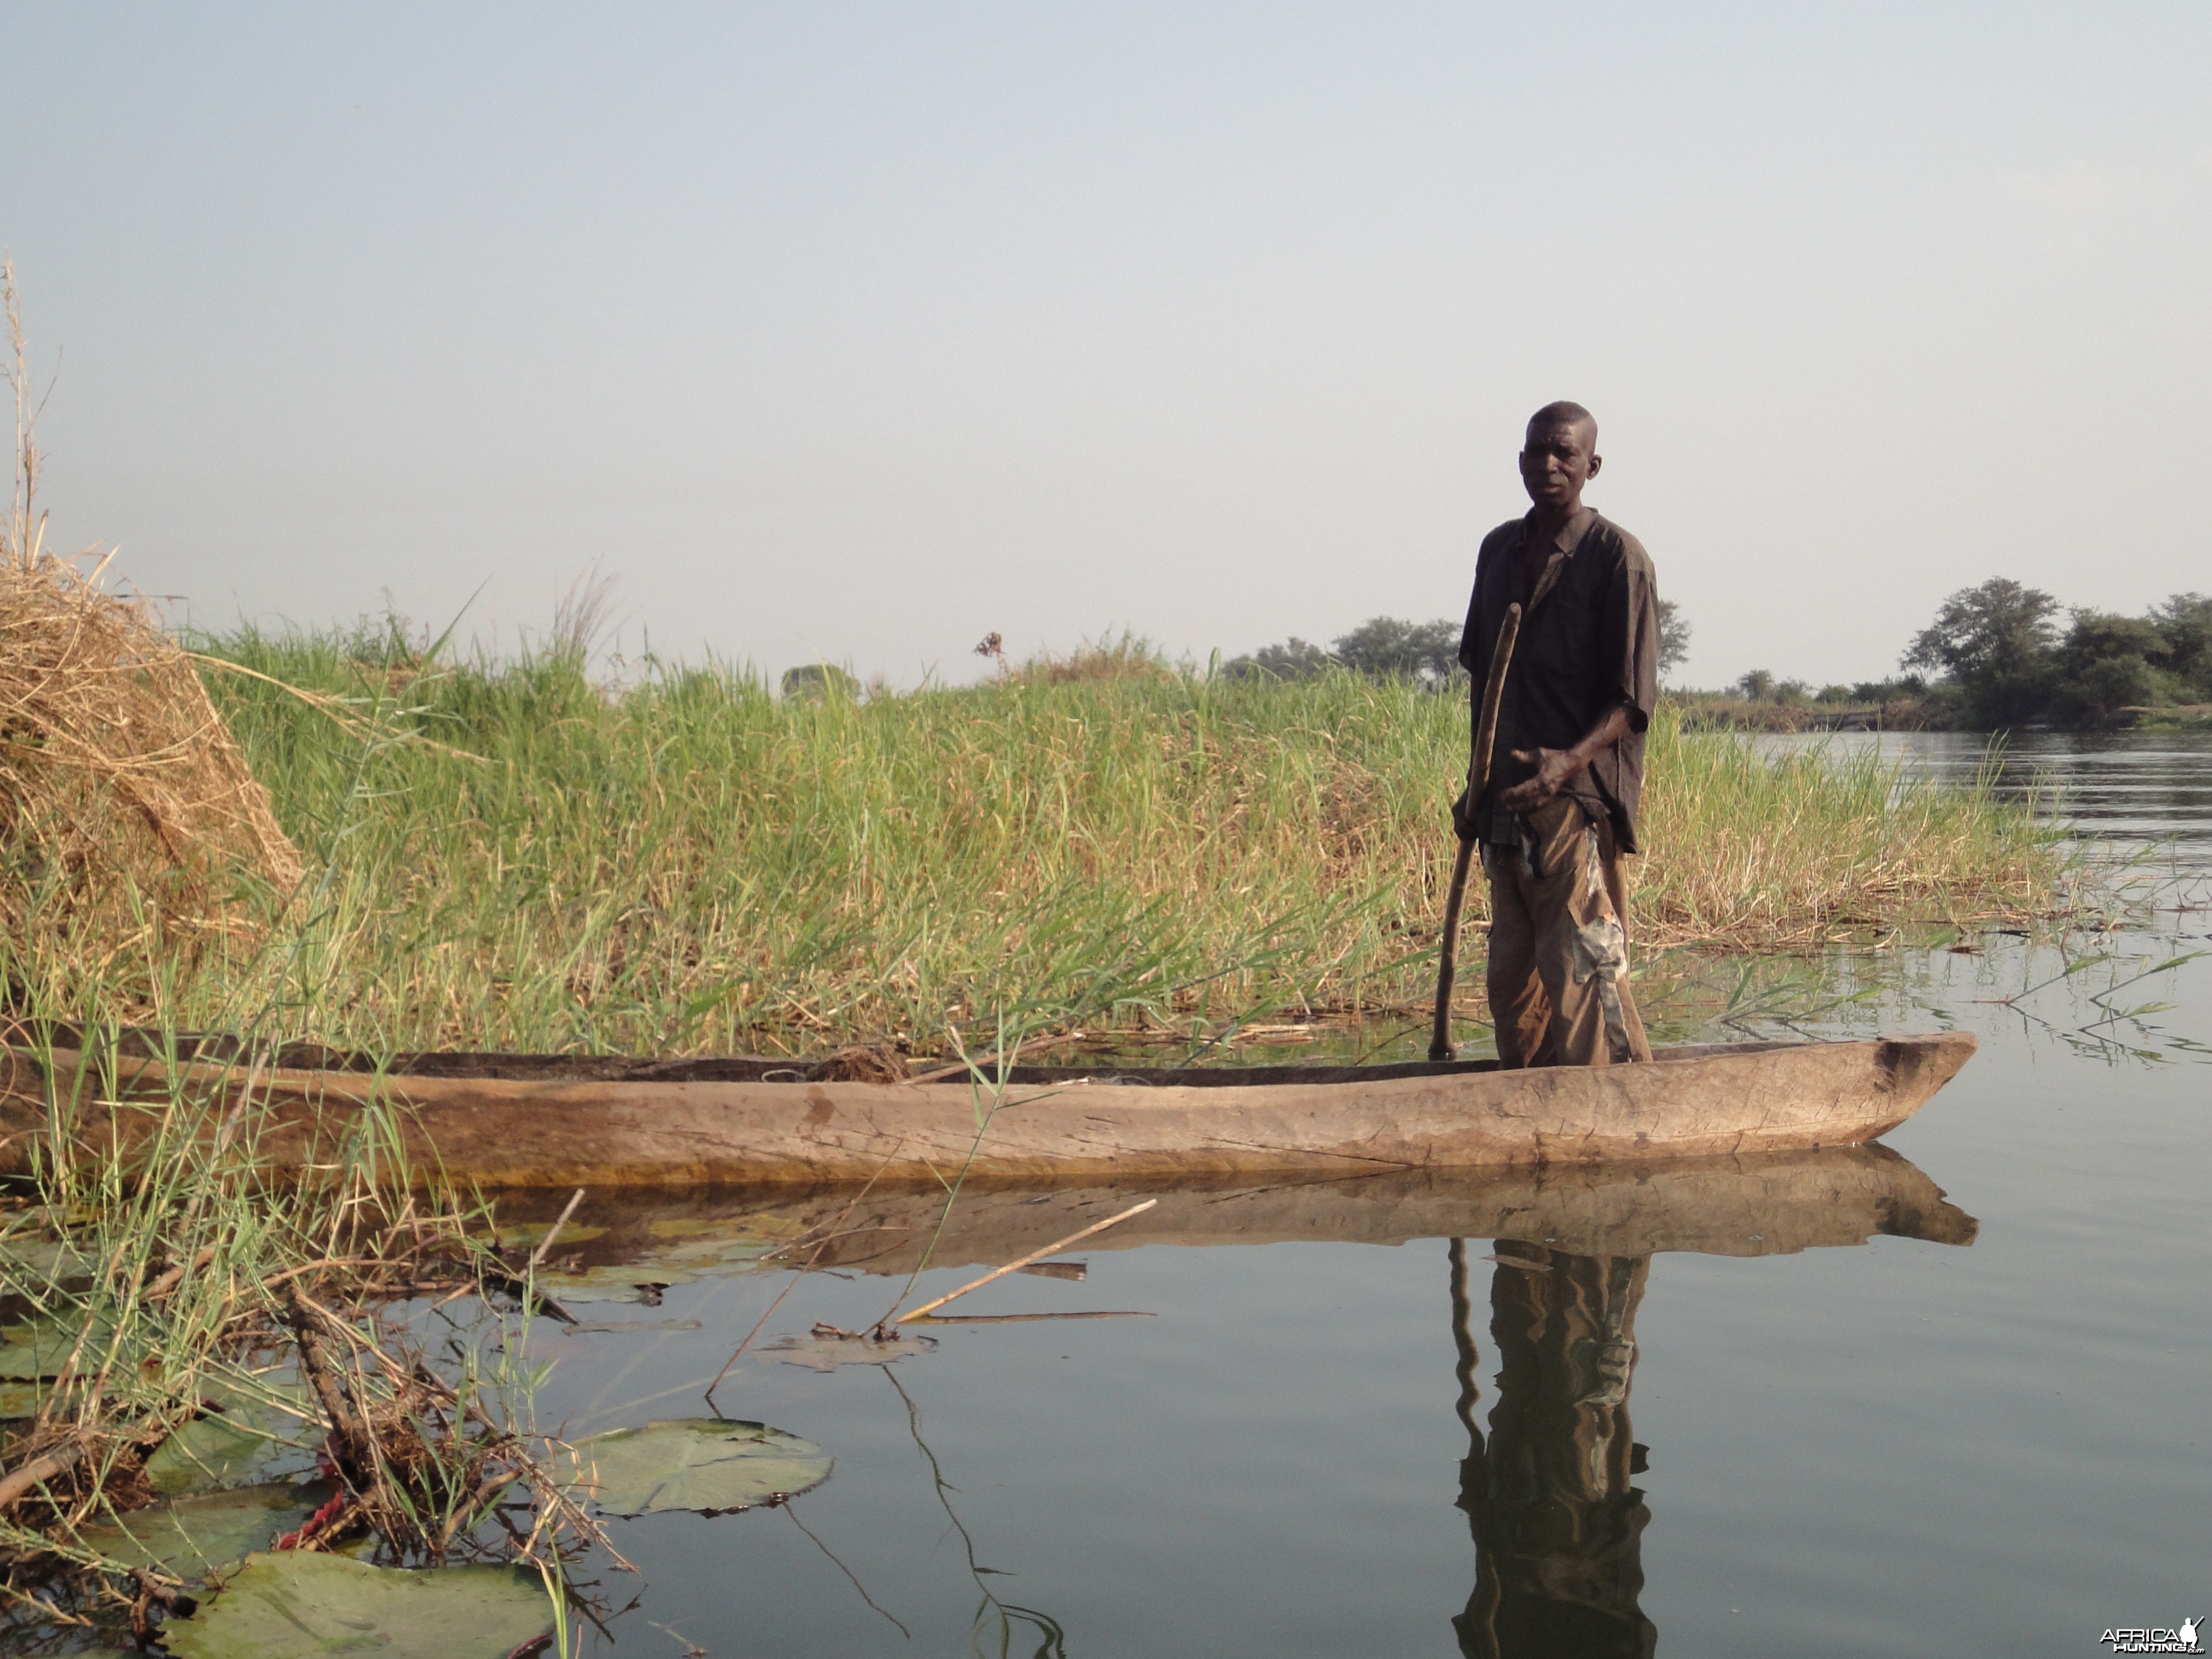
x,y
1338,1433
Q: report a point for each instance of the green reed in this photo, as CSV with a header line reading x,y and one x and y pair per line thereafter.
x,y
689,864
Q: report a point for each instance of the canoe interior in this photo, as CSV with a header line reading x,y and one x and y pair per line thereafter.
x,y
754,1069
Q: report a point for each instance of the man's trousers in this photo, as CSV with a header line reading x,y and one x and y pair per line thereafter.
x,y
1558,943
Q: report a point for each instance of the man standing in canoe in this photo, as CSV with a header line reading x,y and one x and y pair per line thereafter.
x,y
1567,779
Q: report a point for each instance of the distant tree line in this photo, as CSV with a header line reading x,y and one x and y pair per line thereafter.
x,y
2001,651
1997,655
1388,647
1762,685
1382,647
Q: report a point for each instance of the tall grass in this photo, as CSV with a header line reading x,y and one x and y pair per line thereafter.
x,y
688,864
176,1305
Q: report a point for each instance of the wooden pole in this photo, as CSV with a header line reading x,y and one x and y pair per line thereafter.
x,y
1478,779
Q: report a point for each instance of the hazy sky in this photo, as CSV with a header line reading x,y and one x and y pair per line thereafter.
x,y
856,330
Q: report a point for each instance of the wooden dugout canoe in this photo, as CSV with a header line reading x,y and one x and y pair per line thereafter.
x,y
517,1121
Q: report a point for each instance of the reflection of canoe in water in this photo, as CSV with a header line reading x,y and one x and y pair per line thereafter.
x,y
1769,1203
523,1121
1765,1203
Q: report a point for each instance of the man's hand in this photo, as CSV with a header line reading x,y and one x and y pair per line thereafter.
x,y
1555,769
1463,815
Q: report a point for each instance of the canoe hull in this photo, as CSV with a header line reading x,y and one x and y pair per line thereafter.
x,y
1701,1102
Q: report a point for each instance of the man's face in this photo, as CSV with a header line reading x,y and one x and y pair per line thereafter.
x,y
1559,460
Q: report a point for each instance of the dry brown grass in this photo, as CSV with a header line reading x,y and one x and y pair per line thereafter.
x,y
1125,658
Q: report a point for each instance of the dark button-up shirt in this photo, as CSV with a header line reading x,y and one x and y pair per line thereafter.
x,y
1589,639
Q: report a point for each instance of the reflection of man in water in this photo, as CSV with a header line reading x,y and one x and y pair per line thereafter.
x,y
1568,774
1557,1525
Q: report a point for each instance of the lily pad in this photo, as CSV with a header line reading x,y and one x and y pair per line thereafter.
x,y
298,1604
703,1463
622,1283
692,1252
533,1233
40,1346
825,1351
20,1399
685,1249
252,1439
26,1256
195,1536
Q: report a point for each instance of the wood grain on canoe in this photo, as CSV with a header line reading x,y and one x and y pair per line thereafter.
x,y
1046,1124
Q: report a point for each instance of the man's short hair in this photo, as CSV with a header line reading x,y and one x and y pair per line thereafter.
x,y
1564,413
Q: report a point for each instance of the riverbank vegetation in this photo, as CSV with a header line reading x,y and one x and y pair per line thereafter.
x,y
2004,658
507,855
1995,658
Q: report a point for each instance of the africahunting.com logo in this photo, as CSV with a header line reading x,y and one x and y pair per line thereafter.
x,y
2182,1639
